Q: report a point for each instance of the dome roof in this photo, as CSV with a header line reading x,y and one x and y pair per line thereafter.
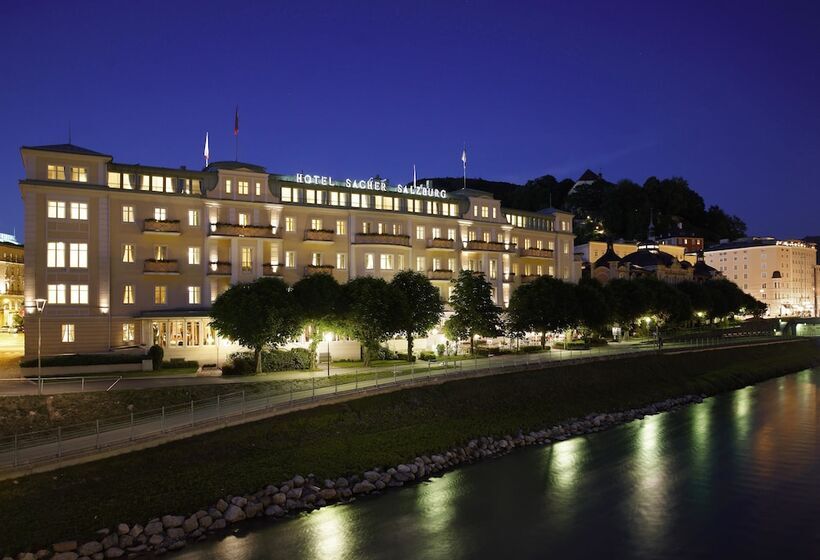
x,y
647,259
608,257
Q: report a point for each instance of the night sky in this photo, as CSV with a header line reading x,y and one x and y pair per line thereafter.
x,y
725,94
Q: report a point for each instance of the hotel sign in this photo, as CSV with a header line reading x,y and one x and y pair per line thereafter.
x,y
370,185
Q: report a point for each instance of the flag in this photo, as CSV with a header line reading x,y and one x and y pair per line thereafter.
x,y
207,152
236,122
414,175
464,156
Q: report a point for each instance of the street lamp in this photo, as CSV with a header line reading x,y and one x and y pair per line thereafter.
x,y
328,338
41,305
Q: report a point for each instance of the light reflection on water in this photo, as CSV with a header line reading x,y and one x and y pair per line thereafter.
x,y
734,476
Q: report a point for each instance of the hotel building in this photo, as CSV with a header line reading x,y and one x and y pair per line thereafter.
x,y
11,280
781,274
133,255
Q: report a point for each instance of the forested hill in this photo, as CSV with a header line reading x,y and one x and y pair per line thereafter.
x,y
618,210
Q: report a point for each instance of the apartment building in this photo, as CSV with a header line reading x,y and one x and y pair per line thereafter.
x,y
133,255
11,280
781,274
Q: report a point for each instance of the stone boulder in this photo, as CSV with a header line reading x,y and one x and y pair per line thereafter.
x,y
170,521
234,513
89,548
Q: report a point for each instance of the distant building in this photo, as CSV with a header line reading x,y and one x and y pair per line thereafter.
x,y
781,274
11,279
629,260
587,178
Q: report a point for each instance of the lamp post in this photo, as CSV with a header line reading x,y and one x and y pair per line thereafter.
x,y
41,305
328,338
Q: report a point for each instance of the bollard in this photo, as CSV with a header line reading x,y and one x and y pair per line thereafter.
x,y
82,384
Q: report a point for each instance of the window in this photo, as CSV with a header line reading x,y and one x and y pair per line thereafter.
x,y
114,180
436,233
78,255
451,263
79,293
539,244
494,269
127,214
128,181
369,261
79,174
316,259
244,219
160,295
128,253
419,232
56,293
160,214
338,199
194,293
341,227
128,332
67,330
290,223
420,264
386,262
485,212
55,257
56,209
451,233
287,194
341,261
485,236
258,189
247,258
414,205
242,187
79,211
495,213
56,172
380,228
193,217
315,224
161,252
396,229
128,294
365,227
290,259
227,186
193,255
310,196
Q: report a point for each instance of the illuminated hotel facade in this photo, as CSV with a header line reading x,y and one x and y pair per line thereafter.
x,y
133,255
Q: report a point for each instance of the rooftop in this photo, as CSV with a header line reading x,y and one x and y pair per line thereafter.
x,y
66,149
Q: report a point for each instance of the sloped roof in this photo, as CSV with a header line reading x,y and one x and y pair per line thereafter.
x,y
607,257
67,149
589,175
235,165
645,258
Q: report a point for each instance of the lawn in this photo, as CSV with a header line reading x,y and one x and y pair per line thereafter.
x,y
344,438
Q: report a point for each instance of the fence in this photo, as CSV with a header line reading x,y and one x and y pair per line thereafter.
x,y
45,446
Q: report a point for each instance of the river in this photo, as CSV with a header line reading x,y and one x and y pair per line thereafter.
x,y
737,476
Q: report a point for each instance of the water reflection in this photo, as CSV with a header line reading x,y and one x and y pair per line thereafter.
x,y
651,484
325,532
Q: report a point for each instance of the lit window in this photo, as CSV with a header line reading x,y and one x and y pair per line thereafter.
x,y
161,252
396,229
145,182
365,227
128,253
369,261
310,196
316,259
380,228
451,233
56,293
56,209
494,212
386,262
79,174
419,232
485,212
420,264
193,255
244,219
290,259
341,261
341,227
227,186
290,223
128,294
114,180
170,184
287,194
194,293
193,217
247,258
485,236
160,214
128,181
435,233
79,293
160,295
242,187
56,172
78,255
67,330
258,189
128,332
315,224
79,211
127,214
55,255
157,183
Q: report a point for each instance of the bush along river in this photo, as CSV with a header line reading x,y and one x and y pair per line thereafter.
x,y
734,476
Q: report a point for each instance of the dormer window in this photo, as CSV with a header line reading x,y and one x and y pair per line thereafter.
x,y
79,174
56,172
485,212
228,186
242,187
258,189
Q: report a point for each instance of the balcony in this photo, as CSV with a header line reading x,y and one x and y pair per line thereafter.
x,y
476,245
439,243
320,235
219,269
235,230
509,277
269,269
160,266
165,227
440,274
537,253
319,269
382,239
527,278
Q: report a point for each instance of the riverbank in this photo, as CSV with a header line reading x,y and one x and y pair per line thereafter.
x,y
354,437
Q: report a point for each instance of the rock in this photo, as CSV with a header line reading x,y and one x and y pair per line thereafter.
x,y
125,541
372,476
200,514
380,485
111,540
206,521
153,528
42,553
294,493
65,546
363,487
136,530
217,525
298,480
279,499
191,524
90,548
234,514
438,459
328,494
239,501
65,556
25,556
175,533
253,509
342,482
114,552
222,505
123,528
177,545
156,540
403,468
137,549
169,521
275,511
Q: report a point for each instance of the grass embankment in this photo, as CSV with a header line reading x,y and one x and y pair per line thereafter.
x,y
350,437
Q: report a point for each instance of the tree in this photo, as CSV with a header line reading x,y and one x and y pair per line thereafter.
x,y
544,305
419,308
626,301
594,312
370,313
474,312
320,298
664,302
256,314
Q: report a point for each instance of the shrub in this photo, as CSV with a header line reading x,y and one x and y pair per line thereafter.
x,y
239,365
427,356
532,349
440,349
573,345
386,354
597,341
404,357
156,353
84,360
180,363
242,363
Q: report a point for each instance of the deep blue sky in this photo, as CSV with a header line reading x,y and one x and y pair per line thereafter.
x,y
726,94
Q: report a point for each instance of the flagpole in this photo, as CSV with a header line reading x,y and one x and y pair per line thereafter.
x,y
464,161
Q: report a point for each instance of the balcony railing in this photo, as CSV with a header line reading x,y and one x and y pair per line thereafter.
x,y
527,278
219,268
439,243
324,235
236,230
440,274
269,269
160,266
169,227
383,239
537,253
319,269
476,245
509,277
